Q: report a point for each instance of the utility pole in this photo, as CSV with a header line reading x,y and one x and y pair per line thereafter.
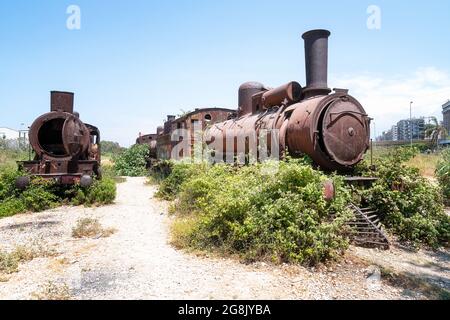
x,y
410,122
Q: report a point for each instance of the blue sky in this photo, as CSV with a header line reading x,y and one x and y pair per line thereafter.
x,y
133,62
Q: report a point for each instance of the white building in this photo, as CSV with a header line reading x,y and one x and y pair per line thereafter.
x,y
394,133
9,134
13,138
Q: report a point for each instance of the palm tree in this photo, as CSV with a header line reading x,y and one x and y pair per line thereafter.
x,y
435,131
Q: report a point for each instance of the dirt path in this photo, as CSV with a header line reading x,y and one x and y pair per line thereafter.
x,y
137,262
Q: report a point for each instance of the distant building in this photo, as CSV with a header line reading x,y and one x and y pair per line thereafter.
x,y
9,134
394,131
446,113
414,128
13,138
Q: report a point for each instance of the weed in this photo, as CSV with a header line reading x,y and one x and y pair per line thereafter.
x,y
52,291
91,228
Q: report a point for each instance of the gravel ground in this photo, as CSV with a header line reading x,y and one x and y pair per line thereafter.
x,y
137,262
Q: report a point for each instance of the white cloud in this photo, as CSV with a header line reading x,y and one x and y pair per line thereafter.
x,y
387,99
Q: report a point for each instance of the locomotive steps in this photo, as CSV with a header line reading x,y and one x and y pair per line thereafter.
x,y
367,228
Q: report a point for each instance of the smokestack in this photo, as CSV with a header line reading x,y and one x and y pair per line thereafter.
x,y
316,60
61,101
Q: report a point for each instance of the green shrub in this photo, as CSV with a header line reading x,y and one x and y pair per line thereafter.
x,y
102,192
412,207
133,161
258,214
39,199
160,170
44,194
180,172
11,206
443,174
7,183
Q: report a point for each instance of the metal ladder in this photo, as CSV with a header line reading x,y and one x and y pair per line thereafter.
x,y
367,228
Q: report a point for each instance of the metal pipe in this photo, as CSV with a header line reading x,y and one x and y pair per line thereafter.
x,y
286,94
316,62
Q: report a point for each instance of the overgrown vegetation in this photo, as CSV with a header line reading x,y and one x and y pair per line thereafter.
x,y
412,207
133,161
43,194
443,174
102,192
258,211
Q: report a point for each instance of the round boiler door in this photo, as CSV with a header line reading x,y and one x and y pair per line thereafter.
x,y
75,136
345,131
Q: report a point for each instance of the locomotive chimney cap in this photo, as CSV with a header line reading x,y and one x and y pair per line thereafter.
x,y
316,33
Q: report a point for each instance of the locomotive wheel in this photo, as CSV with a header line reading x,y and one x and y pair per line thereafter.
x,y
22,182
86,181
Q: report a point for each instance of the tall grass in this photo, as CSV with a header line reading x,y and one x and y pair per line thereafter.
x,y
426,163
9,157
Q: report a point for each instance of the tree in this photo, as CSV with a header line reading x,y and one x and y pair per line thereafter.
x,y
435,130
111,147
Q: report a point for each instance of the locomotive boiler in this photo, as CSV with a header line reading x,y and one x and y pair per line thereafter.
x,y
330,126
67,150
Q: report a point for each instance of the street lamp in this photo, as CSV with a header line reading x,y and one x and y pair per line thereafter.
x,y
410,122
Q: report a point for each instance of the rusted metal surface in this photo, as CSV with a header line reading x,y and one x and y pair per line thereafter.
x,y
329,191
66,149
61,101
284,95
333,130
246,92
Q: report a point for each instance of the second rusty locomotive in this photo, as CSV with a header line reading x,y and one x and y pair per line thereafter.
x,y
330,126
67,151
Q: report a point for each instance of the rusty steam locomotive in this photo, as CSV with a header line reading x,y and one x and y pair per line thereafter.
x,y
67,150
330,126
